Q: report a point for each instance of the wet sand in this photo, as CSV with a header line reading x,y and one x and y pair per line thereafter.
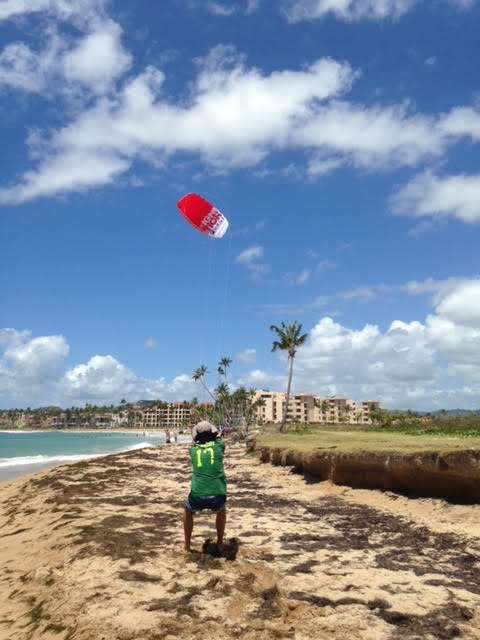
x,y
23,470
93,551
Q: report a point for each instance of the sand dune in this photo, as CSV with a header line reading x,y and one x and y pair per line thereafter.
x,y
93,551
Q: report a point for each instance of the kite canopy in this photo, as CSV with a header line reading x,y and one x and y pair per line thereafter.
x,y
203,216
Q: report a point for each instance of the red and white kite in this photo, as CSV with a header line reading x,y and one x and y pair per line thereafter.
x,y
203,216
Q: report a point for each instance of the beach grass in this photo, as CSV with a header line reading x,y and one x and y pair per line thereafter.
x,y
354,440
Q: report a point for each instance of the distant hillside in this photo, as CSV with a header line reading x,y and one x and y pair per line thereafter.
x,y
449,412
459,412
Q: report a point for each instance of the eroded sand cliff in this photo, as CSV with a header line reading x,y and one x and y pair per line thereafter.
x,y
454,476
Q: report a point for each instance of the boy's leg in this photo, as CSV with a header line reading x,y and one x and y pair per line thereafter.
x,y
220,524
187,528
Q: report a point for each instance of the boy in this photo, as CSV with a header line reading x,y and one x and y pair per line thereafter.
x,y
208,488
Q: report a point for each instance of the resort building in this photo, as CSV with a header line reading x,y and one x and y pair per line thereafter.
x,y
166,416
302,408
174,415
308,408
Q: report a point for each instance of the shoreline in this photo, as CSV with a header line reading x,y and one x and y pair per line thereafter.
x,y
23,469
139,432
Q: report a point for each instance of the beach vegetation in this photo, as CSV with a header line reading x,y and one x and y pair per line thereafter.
x,y
438,424
36,614
299,428
448,436
56,628
235,410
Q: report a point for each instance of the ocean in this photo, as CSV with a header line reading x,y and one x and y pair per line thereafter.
x,y
31,451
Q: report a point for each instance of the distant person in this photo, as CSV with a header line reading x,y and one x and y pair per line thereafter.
x,y
167,436
175,435
208,487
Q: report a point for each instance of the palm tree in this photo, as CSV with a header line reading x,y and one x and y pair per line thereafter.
x,y
222,394
250,406
223,366
199,376
289,339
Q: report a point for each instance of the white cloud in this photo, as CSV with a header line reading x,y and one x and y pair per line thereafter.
x,y
29,367
32,373
450,196
401,367
436,290
326,265
62,173
102,380
319,166
302,277
100,377
248,356
421,365
350,10
233,116
97,59
253,6
220,9
150,344
23,69
251,259
376,137
12,337
260,380
80,11
362,294
462,305
181,387
462,121
436,287
37,358
65,64
354,10
457,344
247,256
429,364
294,279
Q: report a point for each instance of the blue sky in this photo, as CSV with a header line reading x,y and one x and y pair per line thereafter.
x,y
339,137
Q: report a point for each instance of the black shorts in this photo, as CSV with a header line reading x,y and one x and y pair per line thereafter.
x,y
214,503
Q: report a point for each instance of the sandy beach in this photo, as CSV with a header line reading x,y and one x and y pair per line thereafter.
x,y
93,551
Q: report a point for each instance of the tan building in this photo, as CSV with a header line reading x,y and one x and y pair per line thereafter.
x,y
168,416
308,408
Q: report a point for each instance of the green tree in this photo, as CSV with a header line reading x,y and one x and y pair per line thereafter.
x,y
289,339
323,406
222,394
223,367
223,404
199,376
249,406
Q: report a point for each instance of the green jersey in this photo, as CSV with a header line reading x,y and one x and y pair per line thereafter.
x,y
208,474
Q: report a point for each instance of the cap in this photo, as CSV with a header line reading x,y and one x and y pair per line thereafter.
x,y
204,427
